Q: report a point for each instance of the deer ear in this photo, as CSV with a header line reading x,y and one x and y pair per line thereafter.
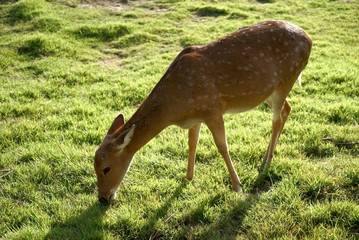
x,y
117,123
125,138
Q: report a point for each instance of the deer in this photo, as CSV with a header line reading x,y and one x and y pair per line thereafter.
x,y
253,65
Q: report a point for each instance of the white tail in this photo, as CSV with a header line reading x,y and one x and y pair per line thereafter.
x,y
236,73
300,79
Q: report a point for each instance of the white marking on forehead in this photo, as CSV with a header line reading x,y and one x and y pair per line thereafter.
x,y
179,86
190,101
261,54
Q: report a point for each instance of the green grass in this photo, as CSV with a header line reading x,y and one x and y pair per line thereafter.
x,y
68,68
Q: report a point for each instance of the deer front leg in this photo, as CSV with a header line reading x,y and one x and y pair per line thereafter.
x,y
216,126
193,135
279,119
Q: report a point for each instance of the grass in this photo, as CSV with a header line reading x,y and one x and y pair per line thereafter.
x,y
69,67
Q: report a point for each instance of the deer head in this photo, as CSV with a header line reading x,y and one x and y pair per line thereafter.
x,y
112,160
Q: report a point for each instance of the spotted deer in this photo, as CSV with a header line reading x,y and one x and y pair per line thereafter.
x,y
235,73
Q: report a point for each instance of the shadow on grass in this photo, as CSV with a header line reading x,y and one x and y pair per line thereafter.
x,y
265,180
161,212
87,225
198,223
227,225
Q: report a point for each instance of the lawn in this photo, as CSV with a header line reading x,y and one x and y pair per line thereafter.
x,y
69,67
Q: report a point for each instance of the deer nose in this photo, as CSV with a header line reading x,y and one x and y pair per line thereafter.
x,y
103,200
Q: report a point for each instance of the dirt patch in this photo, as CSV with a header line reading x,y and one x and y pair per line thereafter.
x,y
119,5
114,5
112,62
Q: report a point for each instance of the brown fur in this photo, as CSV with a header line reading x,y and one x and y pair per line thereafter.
x,y
235,73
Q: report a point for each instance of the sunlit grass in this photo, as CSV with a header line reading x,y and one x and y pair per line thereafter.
x,y
69,67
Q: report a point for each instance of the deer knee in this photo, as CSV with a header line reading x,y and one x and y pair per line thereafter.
x,y
286,109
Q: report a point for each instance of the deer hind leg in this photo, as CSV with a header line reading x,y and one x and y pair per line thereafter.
x,y
193,135
216,126
281,112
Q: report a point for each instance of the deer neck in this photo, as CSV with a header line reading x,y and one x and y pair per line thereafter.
x,y
150,119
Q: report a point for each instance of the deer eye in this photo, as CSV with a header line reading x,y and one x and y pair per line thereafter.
x,y
106,170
